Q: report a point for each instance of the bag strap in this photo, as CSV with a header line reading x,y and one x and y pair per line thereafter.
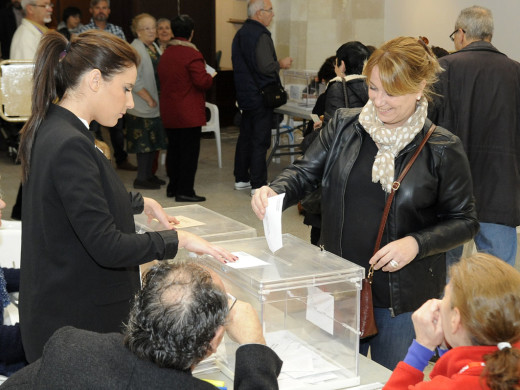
x,y
395,186
345,91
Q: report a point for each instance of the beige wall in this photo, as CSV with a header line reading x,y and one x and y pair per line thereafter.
x,y
312,30
307,30
225,10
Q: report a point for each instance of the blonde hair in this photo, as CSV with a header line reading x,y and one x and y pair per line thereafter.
x,y
137,19
403,64
486,291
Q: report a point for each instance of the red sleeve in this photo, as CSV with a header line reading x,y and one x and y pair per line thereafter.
x,y
197,69
404,377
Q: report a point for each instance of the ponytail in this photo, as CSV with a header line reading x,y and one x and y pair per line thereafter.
x,y
44,93
59,67
489,308
502,370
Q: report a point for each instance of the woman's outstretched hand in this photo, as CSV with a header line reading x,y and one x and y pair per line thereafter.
x,y
153,209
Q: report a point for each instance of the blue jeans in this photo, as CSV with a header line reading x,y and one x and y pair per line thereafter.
x,y
497,240
390,345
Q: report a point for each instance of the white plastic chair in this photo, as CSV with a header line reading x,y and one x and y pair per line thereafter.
x,y
213,125
15,90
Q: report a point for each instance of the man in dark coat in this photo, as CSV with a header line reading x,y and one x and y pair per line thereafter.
x,y
255,65
177,320
480,102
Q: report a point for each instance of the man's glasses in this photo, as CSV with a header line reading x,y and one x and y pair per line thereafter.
x,y
452,35
232,300
50,5
270,10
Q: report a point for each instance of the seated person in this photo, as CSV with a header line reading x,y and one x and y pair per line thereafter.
x,y
177,319
479,319
12,356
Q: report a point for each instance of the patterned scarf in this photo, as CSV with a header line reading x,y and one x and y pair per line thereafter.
x,y
390,141
4,296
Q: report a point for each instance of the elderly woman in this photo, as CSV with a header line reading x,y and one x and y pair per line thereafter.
x,y
356,159
80,251
164,33
479,321
144,130
184,82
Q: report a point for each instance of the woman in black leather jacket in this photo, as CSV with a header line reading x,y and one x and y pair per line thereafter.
x,y
356,158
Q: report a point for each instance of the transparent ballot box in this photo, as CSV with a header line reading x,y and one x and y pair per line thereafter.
x,y
308,304
301,87
201,221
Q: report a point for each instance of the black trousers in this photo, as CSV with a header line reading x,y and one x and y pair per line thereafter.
x,y
252,145
182,159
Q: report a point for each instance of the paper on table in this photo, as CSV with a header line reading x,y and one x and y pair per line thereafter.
x,y
273,222
245,260
186,222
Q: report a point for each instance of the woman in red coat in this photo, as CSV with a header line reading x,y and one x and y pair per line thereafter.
x,y
479,318
184,82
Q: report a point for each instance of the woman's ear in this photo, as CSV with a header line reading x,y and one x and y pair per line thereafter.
x,y
423,85
343,66
94,79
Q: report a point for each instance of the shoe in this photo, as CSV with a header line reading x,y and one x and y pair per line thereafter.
x,y
155,179
146,185
126,166
187,198
242,185
253,191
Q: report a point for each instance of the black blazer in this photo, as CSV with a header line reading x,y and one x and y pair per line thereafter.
x,y
82,360
80,252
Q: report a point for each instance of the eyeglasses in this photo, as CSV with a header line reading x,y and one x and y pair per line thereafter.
x,y
50,5
270,10
233,300
452,35
148,29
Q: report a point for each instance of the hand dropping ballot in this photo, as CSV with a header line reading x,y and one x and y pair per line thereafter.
x,y
273,222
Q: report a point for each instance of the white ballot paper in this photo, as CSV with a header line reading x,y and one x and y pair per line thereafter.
x,y
273,222
245,260
210,70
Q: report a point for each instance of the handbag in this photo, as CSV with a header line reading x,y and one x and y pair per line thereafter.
x,y
367,323
273,95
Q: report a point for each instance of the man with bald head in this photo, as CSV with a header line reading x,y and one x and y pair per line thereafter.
x,y
177,319
255,65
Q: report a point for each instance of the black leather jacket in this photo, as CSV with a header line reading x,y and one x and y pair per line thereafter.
x,y
357,95
434,204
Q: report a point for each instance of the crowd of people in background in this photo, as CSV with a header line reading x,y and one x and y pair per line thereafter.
x,y
378,106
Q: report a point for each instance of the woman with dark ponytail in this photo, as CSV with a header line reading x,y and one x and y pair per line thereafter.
x,y
479,320
80,252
